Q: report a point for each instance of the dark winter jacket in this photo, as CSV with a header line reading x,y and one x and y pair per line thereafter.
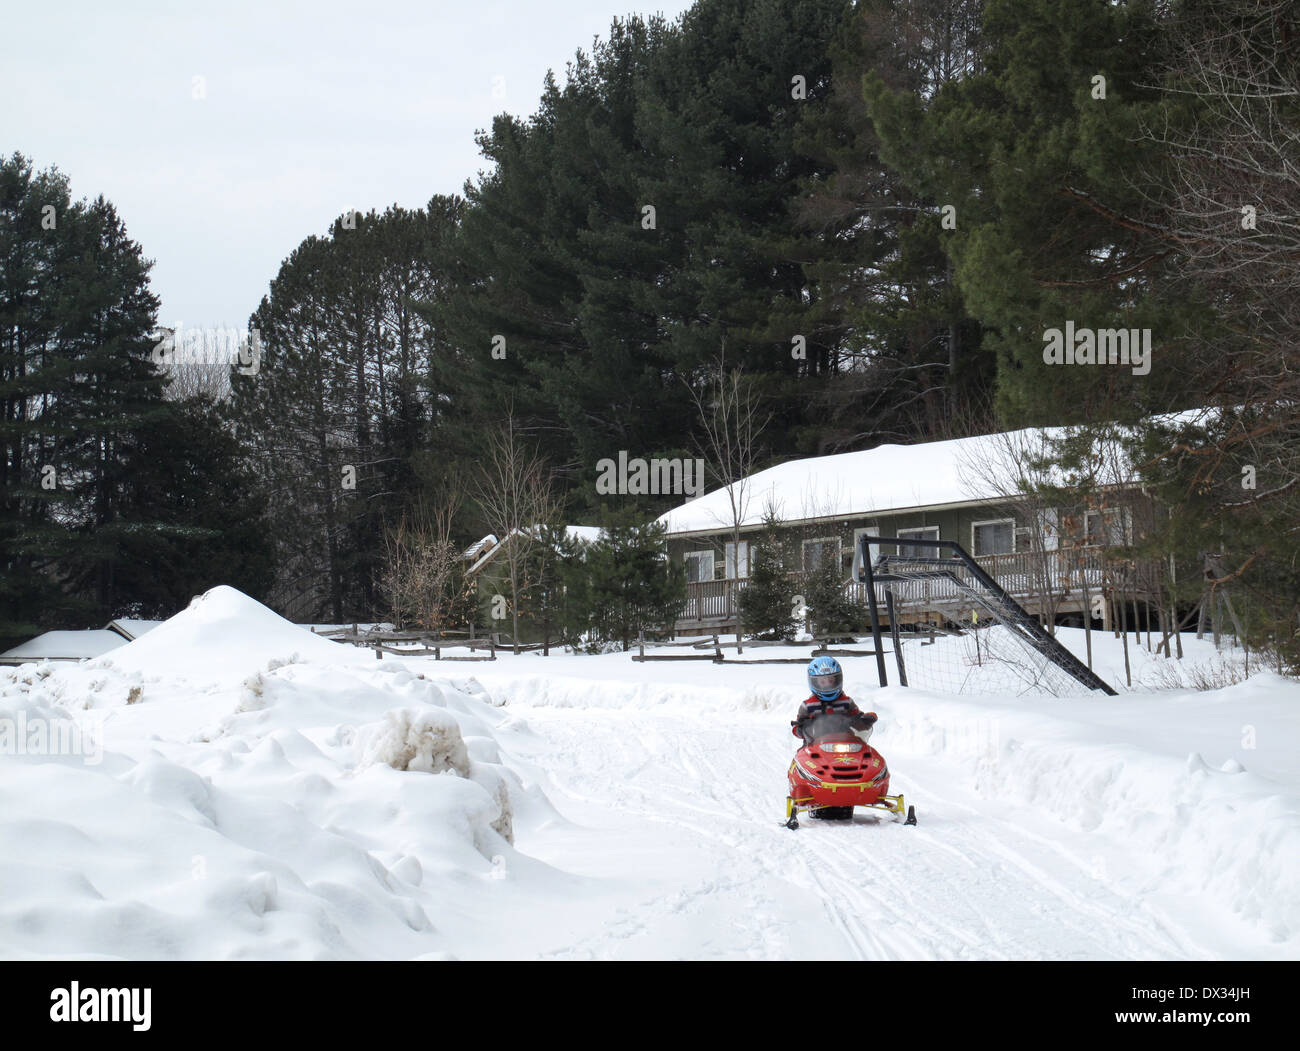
x,y
817,717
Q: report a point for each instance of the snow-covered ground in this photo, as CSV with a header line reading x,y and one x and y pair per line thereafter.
x,y
230,786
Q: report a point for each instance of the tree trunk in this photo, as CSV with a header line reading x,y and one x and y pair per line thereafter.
x,y
1123,615
514,607
1087,621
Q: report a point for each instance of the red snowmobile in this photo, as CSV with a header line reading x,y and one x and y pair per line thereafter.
x,y
835,773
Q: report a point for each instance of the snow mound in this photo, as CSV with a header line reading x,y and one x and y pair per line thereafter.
x,y
235,788
223,633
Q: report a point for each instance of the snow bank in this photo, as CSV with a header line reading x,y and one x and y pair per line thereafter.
x,y
1157,822
243,789
557,691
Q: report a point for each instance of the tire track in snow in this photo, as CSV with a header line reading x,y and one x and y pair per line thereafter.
x,y
978,887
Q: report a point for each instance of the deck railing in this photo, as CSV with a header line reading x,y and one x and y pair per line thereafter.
x,y
1023,574
710,601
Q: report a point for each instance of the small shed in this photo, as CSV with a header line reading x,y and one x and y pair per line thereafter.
x,y
78,645
64,646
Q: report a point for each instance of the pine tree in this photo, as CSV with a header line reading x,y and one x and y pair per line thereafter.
x,y
605,313
893,354
1057,199
767,600
829,609
339,416
77,382
632,584
557,605
198,511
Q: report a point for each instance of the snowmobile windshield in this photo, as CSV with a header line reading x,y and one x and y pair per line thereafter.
x,y
827,683
828,723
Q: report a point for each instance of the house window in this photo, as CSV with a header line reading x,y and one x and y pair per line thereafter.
x,y
1042,534
699,566
816,553
732,567
1105,528
919,551
858,534
993,538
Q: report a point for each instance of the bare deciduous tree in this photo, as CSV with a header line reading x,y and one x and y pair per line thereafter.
x,y
1236,200
1014,466
514,491
423,580
731,419
1234,214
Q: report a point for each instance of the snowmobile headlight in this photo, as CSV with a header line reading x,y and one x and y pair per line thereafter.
x,y
842,747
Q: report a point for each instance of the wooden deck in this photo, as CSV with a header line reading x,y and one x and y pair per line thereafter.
x,y
1066,582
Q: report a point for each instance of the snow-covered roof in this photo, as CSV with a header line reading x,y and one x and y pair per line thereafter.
x,y
64,646
130,628
871,481
587,534
478,547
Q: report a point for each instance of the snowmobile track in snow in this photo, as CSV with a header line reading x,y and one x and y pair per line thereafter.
x,y
972,883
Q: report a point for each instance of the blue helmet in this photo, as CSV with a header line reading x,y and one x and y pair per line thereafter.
x,y
825,678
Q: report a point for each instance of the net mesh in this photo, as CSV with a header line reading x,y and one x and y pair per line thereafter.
x,y
957,635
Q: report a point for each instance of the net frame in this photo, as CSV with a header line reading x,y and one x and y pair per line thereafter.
x,y
958,589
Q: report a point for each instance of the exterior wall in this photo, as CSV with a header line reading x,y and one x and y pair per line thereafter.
x,y
954,524
1048,584
492,580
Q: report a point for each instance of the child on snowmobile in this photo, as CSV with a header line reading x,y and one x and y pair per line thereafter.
x,y
829,709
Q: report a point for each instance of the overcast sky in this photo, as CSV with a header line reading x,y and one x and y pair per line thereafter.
x,y
306,110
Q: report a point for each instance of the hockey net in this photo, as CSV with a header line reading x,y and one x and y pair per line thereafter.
x,y
959,631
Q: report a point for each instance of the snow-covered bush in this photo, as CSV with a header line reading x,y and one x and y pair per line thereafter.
x,y
426,740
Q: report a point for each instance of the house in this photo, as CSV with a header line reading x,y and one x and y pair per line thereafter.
x,y
963,489
490,572
481,554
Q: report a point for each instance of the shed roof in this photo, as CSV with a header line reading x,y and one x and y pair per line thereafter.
x,y
130,628
64,646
